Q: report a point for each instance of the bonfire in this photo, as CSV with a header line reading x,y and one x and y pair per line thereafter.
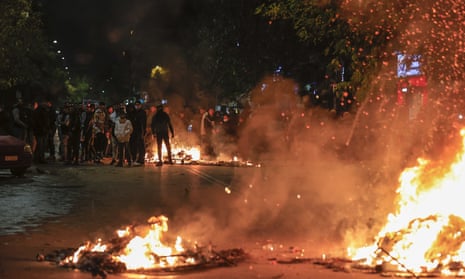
x,y
426,234
136,249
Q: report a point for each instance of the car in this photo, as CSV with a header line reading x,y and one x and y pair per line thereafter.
x,y
15,155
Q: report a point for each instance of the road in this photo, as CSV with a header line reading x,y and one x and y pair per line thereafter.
x,y
55,207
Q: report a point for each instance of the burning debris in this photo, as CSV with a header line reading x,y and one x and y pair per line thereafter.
x,y
426,235
191,156
140,250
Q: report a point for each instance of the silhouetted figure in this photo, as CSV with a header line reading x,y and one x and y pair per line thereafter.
x,y
139,123
40,127
161,126
207,127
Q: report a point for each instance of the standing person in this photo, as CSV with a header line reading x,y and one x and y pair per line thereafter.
x,y
87,152
20,126
123,130
161,125
207,126
138,135
112,115
149,137
51,133
40,127
65,131
100,140
74,135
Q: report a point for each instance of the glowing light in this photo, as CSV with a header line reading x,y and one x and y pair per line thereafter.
x,y
157,71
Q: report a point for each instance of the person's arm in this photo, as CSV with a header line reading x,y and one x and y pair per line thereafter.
x,y
129,128
17,119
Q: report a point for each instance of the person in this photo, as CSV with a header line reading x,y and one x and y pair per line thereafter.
x,y
122,131
207,126
100,140
20,123
138,136
149,137
64,131
51,133
161,126
87,152
74,139
41,127
112,115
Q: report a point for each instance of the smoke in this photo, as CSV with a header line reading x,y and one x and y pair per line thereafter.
x,y
324,181
310,186
327,180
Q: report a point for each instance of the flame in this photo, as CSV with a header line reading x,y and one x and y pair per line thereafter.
x,y
141,252
179,153
427,231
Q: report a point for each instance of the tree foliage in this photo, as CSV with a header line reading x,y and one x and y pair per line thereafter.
x,y
78,89
22,50
233,48
324,25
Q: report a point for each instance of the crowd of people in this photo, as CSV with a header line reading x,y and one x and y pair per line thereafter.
x,y
137,133
87,133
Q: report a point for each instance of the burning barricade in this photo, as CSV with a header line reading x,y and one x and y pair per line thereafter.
x,y
140,249
189,155
426,234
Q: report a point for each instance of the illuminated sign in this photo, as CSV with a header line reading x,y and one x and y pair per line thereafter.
x,y
409,65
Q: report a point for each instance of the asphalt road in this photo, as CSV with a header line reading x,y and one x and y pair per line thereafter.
x,y
56,207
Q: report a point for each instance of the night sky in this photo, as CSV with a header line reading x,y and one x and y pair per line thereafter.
x,y
97,35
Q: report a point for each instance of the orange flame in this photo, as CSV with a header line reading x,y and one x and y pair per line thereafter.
x,y
141,252
427,232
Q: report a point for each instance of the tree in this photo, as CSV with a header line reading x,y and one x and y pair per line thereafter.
x,y
27,60
322,25
233,48
78,89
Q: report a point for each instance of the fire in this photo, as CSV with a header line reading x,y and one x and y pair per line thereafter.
x,y
426,234
140,252
180,154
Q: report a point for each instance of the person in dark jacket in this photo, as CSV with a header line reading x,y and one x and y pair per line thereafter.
x,y
161,126
74,135
20,121
137,142
40,127
53,128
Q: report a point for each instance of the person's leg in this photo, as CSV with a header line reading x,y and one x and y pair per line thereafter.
x,y
166,139
114,149
128,153
159,147
141,150
120,154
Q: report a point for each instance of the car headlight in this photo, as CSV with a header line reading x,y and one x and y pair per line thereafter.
x,y
27,148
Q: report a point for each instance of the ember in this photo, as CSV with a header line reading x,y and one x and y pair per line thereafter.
x,y
426,235
135,252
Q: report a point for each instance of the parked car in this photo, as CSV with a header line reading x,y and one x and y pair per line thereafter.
x,y
15,155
